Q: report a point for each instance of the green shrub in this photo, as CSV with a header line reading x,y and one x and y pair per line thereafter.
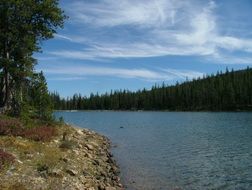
x,y
42,167
67,144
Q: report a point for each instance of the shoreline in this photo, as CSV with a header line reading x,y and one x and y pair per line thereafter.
x,y
111,170
164,111
82,161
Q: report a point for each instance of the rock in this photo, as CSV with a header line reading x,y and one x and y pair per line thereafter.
x,y
65,159
88,165
76,152
91,188
57,173
85,173
89,155
71,172
101,187
94,144
96,162
115,169
79,132
104,158
90,147
103,174
79,146
20,162
9,173
110,188
120,185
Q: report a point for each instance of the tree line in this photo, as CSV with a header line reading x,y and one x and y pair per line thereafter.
x,y
231,90
24,24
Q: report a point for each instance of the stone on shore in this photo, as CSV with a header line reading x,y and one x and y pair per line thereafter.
x,y
81,161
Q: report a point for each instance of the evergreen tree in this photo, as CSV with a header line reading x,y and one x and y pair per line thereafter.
x,y
41,100
23,25
228,91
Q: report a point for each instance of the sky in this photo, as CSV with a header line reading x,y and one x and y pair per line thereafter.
x,y
134,44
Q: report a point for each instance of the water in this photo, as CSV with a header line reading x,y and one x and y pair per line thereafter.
x,y
176,150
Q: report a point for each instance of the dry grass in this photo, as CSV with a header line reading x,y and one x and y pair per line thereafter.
x,y
5,158
49,158
12,186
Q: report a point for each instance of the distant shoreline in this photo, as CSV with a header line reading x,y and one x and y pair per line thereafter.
x,y
194,111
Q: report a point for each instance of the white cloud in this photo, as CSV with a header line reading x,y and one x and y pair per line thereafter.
x,y
232,43
66,78
184,74
59,36
111,13
230,59
109,51
202,26
78,72
153,28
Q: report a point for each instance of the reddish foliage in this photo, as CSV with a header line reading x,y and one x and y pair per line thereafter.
x,y
5,158
42,133
15,128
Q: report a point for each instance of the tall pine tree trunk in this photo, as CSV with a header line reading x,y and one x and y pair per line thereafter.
x,y
6,86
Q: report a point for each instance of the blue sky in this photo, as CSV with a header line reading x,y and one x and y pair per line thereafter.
x,y
133,44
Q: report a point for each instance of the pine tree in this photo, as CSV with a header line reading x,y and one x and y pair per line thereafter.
x,y
23,24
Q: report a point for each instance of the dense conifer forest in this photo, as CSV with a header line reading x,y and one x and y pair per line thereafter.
x,y
227,91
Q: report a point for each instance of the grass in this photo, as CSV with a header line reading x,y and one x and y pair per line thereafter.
x,y
5,159
13,186
50,158
29,144
40,162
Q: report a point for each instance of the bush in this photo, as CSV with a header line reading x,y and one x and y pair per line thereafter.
x,y
10,127
67,144
5,158
43,133
13,127
42,168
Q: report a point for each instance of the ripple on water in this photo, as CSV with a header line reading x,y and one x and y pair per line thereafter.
x,y
176,150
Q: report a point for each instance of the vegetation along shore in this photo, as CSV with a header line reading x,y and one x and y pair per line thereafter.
x,y
54,157
37,152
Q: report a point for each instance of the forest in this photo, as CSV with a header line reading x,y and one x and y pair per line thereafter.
x,y
23,26
228,91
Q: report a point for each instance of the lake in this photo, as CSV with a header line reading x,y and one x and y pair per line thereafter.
x,y
176,150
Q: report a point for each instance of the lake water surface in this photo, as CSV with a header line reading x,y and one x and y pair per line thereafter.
x,y
176,150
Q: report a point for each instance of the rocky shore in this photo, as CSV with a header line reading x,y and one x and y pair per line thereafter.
x,y
74,159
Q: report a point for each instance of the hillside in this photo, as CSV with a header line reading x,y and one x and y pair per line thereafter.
x,y
229,91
